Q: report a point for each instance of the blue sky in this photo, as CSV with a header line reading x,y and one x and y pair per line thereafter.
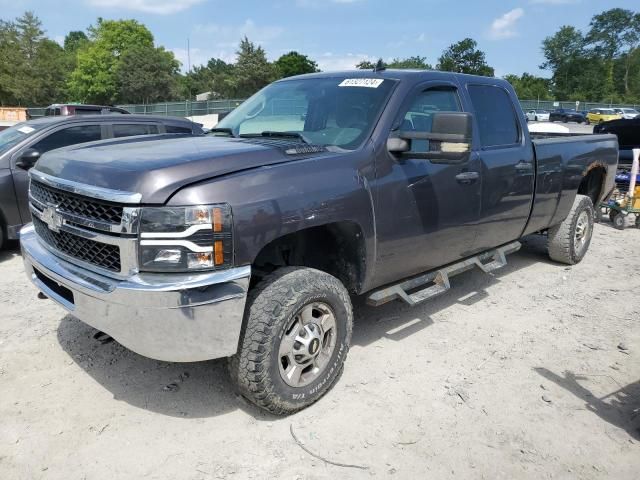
x,y
336,33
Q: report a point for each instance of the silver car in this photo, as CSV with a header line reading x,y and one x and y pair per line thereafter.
x,y
627,113
537,115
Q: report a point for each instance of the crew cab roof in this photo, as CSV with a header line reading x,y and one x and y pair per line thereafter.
x,y
412,76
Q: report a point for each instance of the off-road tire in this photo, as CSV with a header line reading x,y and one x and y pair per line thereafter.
x,y
561,245
271,306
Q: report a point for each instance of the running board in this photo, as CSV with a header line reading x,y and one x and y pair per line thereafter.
x,y
487,262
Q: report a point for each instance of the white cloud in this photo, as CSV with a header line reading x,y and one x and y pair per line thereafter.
x,y
160,7
330,62
504,26
229,36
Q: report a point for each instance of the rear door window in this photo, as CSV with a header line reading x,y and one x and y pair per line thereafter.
x,y
495,116
69,136
176,129
131,129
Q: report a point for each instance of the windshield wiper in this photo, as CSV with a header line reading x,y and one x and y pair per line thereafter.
x,y
228,131
272,134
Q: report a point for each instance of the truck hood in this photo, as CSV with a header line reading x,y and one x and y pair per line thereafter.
x,y
158,166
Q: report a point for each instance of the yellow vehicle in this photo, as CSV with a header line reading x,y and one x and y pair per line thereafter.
x,y
599,115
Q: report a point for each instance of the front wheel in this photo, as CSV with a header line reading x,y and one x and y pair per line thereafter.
x,y
569,241
295,339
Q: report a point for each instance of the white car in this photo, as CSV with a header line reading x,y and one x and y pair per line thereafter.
x,y
537,116
627,113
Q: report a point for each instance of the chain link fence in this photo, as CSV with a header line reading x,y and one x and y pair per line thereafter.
x,y
193,108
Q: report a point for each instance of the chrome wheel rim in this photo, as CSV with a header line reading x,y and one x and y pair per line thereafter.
x,y
583,231
307,344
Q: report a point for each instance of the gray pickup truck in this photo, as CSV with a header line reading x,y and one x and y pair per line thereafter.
x,y
249,242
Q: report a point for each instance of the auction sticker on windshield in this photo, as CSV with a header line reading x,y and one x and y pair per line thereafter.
x,y
26,129
362,82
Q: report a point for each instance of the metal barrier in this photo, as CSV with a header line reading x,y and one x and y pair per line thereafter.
x,y
189,108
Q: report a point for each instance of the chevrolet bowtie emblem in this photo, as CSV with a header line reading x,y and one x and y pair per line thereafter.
x,y
52,218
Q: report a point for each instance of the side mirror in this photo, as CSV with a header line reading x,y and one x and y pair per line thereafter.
x,y
28,159
449,139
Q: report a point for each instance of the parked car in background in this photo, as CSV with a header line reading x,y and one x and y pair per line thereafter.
x,y
599,115
537,116
627,113
22,145
628,133
59,109
566,115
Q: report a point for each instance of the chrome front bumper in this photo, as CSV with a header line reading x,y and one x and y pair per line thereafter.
x,y
171,317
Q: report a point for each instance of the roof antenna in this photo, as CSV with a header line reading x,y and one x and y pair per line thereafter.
x,y
380,66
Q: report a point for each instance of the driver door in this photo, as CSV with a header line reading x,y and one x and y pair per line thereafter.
x,y
426,212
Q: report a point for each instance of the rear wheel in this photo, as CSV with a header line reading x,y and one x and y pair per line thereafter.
x,y
569,241
295,340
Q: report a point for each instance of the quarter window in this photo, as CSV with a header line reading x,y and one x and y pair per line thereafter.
x,y
495,116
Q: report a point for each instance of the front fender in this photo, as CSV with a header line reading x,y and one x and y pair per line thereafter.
x,y
273,201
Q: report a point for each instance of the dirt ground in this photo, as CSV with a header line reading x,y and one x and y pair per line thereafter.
x,y
529,373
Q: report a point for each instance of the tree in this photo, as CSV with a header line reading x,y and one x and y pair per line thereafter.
x,y
530,87
564,53
612,34
32,67
146,74
95,76
366,65
75,40
415,63
294,63
252,70
464,57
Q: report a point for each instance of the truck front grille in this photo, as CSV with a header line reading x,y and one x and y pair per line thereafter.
x,y
68,202
96,253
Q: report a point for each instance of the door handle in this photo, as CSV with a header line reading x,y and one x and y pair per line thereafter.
x,y
524,166
467,178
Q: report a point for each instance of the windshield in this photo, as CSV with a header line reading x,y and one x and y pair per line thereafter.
x,y
332,111
14,135
606,111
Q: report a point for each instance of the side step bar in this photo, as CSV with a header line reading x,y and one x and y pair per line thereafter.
x,y
487,262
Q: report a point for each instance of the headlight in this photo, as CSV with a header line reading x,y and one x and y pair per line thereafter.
x,y
182,239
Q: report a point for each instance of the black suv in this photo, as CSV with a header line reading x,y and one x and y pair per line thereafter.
x,y
22,145
566,115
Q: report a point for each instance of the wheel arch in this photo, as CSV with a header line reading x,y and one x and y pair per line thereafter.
x,y
337,248
593,181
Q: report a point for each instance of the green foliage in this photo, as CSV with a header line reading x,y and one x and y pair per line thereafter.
x,y
294,63
411,63
146,74
529,86
95,78
252,70
601,65
464,57
32,69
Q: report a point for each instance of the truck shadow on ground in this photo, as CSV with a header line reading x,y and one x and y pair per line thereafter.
x,y
203,389
10,250
620,408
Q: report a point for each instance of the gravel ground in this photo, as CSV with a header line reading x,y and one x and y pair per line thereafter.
x,y
529,373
